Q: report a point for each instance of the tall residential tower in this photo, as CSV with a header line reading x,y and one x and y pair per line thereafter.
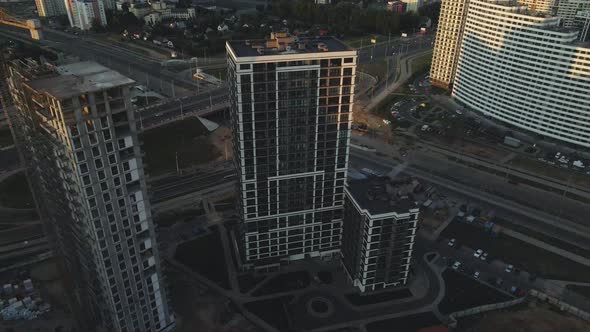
x,y
446,44
291,102
76,133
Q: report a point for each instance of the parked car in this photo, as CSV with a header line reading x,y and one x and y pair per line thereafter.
x,y
476,275
452,242
456,265
509,268
484,256
478,253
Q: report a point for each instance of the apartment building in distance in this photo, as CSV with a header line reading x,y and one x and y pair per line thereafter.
x,y
412,5
50,8
83,13
525,70
567,10
541,6
75,130
291,102
447,42
380,218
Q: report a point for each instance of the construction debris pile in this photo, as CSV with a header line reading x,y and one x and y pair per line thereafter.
x,y
21,301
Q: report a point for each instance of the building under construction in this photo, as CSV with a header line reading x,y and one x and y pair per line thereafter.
x,y
75,131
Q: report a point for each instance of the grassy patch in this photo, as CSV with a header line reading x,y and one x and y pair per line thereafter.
x,y
540,168
421,65
5,137
187,138
357,42
272,311
377,69
219,73
204,255
525,256
410,323
463,292
15,193
543,237
582,290
248,281
170,218
359,300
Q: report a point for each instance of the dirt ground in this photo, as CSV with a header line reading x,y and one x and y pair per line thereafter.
x,y
221,139
531,318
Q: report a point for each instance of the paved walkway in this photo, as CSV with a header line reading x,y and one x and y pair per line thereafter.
x,y
483,196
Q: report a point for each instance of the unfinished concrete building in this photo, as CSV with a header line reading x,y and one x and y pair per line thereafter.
x,y
76,133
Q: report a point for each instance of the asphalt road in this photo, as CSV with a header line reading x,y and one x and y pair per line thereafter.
x,y
175,108
478,186
175,186
144,70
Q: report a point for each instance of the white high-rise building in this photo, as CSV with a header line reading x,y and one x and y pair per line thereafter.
x,y
50,8
291,105
447,42
82,13
525,70
75,130
413,5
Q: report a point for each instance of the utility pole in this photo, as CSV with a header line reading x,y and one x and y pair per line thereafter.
x,y
387,73
181,111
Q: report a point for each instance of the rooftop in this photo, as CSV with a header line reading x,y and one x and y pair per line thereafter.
x,y
380,195
281,43
78,78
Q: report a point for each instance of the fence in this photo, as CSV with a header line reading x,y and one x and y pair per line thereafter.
x,y
562,305
483,308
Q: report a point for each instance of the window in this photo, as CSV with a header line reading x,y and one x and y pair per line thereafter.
x,y
112,159
110,147
89,191
80,156
114,170
244,66
86,180
83,168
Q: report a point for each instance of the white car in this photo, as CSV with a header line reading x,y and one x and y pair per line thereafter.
x,y
478,253
459,112
456,265
484,256
509,268
476,275
452,242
